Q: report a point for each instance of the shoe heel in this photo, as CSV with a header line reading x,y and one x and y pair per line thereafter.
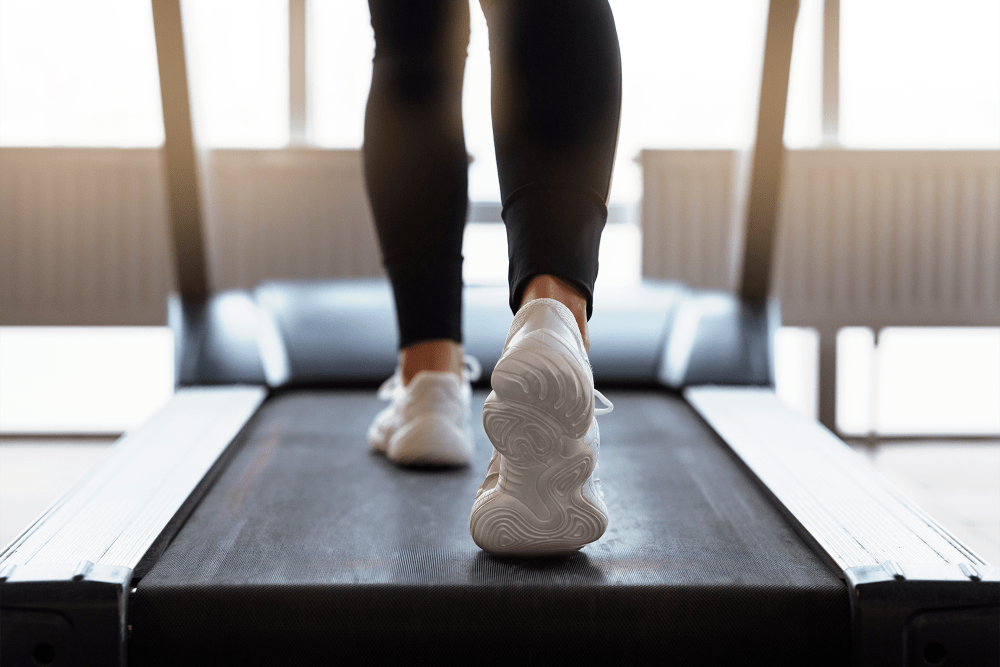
x,y
540,513
540,373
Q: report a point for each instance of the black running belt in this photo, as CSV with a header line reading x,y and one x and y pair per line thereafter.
x,y
311,548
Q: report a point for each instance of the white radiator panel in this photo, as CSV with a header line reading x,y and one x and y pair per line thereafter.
x,y
288,214
865,238
84,237
890,238
873,238
686,203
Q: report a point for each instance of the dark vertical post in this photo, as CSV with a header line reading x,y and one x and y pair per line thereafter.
x,y
828,377
831,137
768,152
179,159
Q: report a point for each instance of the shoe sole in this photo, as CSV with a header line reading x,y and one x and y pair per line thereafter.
x,y
538,417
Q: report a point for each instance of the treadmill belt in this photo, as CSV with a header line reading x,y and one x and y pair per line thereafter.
x,y
310,547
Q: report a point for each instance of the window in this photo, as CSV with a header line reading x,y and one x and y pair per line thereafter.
x,y
78,74
85,73
920,74
340,46
913,73
954,388
238,64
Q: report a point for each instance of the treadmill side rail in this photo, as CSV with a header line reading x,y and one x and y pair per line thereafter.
x,y
843,506
114,514
918,595
64,581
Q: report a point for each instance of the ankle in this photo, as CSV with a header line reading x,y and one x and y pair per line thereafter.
x,y
431,355
550,287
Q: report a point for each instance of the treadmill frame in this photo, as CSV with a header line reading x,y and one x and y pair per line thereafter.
x,y
65,581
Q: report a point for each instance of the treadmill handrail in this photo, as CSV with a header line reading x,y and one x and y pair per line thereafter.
x,y
768,158
180,159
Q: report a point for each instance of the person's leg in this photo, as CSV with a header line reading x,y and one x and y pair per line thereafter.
x,y
416,171
416,174
556,89
556,103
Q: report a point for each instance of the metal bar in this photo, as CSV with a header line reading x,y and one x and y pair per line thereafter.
x,y
298,121
768,153
828,377
113,515
179,158
841,504
64,581
831,72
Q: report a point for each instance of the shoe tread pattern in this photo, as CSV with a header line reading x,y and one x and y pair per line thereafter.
x,y
539,505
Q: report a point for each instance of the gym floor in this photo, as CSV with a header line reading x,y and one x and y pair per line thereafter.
x,y
956,482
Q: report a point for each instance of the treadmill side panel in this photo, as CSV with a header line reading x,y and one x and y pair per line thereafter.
x,y
918,595
715,338
68,615
940,615
65,581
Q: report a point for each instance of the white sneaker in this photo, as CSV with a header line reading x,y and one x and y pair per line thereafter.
x,y
427,422
541,494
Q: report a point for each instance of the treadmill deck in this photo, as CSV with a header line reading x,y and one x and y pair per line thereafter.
x,y
311,543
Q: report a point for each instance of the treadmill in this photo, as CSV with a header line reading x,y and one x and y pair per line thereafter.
x,y
248,523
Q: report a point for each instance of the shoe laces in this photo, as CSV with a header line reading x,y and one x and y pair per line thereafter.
x,y
609,406
471,372
388,388
600,411
473,369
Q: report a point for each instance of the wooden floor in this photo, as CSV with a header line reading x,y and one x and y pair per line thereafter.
x,y
958,483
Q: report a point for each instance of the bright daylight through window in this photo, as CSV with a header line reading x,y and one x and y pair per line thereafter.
x,y
913,74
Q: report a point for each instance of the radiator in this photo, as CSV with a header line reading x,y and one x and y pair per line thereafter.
x,y
685,216
84,238
288,214
877,239
865,238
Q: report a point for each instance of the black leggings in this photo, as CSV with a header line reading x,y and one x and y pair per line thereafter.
x,y
556,101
